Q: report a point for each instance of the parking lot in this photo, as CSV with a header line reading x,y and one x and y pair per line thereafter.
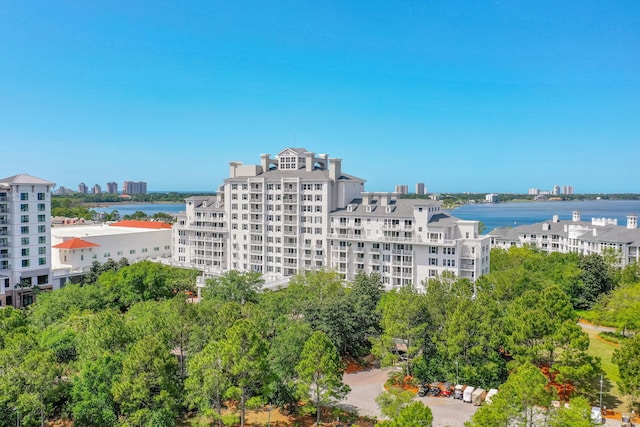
x,y
367,385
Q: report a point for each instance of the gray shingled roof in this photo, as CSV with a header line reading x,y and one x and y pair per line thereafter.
x,y
604,233
317,173
25,179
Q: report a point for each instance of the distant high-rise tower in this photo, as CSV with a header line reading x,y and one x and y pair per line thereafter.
x,y
567,189
556,190
112,187
420,188
96,189
534,191
131,187
82,188
402,189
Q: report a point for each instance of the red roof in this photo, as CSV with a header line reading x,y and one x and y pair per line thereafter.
x,y
75,243
141,224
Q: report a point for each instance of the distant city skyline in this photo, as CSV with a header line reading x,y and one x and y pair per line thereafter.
x,y
468,97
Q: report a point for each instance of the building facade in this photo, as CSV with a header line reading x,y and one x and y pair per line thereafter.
x,y
75,248
82,188
598,236
131,187
25,238
112,187
298,211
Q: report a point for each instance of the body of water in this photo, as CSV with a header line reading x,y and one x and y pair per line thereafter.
x,y
513,214
491,214
148,208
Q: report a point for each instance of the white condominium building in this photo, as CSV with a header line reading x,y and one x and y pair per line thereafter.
x,y
298,211
25,238
598,236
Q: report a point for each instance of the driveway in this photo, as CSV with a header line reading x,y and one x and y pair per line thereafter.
x,y
367,385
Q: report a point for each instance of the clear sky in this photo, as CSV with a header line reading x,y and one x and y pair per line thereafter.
x,y
481,96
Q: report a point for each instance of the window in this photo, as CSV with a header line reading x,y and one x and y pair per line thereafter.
x,y
42,250
24,196
132,251
144,250
25,263
42,239
24,230
41,218
24,207
24,218
41,196
25,251
43,280
25,240
42,261
156,248
42,229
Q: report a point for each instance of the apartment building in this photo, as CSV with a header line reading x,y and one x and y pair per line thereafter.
x,y
299,211
597,236
25,238
132,187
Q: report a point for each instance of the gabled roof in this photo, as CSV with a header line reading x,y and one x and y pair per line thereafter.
x,y
291,150
25,179
141,224
75,243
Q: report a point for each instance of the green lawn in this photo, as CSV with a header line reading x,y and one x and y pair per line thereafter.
x,y
611,396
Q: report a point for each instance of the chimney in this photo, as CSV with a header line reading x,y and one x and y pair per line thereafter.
x,y
632,222
335,169
264,162
384,199
232,169
556,218
595,232
309,160
366,198
576,216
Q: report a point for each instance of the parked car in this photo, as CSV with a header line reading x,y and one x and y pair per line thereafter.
x,y
447,389
458,391
423,389
626,421
434,389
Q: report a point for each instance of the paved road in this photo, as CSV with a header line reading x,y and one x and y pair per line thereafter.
x,y
367,385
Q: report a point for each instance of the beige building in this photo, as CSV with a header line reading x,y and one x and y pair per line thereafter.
x,y
299,211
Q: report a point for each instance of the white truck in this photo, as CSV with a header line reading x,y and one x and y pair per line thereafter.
x,y
466,394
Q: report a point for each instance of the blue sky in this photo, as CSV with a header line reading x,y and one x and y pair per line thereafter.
x,y
486,96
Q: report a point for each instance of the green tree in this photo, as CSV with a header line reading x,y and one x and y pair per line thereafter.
x,y
244,353
627,357
414,415
597,279
148,388
621,307
284,355
576,414
207,381
92,402
320,372
234,286
517,402
404,324
393,400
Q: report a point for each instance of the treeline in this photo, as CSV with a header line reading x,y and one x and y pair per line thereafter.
x,y
126,348
170,197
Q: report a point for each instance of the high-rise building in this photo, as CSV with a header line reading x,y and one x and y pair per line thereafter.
x,y
299,211
82,188
556,190
25,238
567,189
534,191
131,187
112,187
420,189
96,189
402,189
